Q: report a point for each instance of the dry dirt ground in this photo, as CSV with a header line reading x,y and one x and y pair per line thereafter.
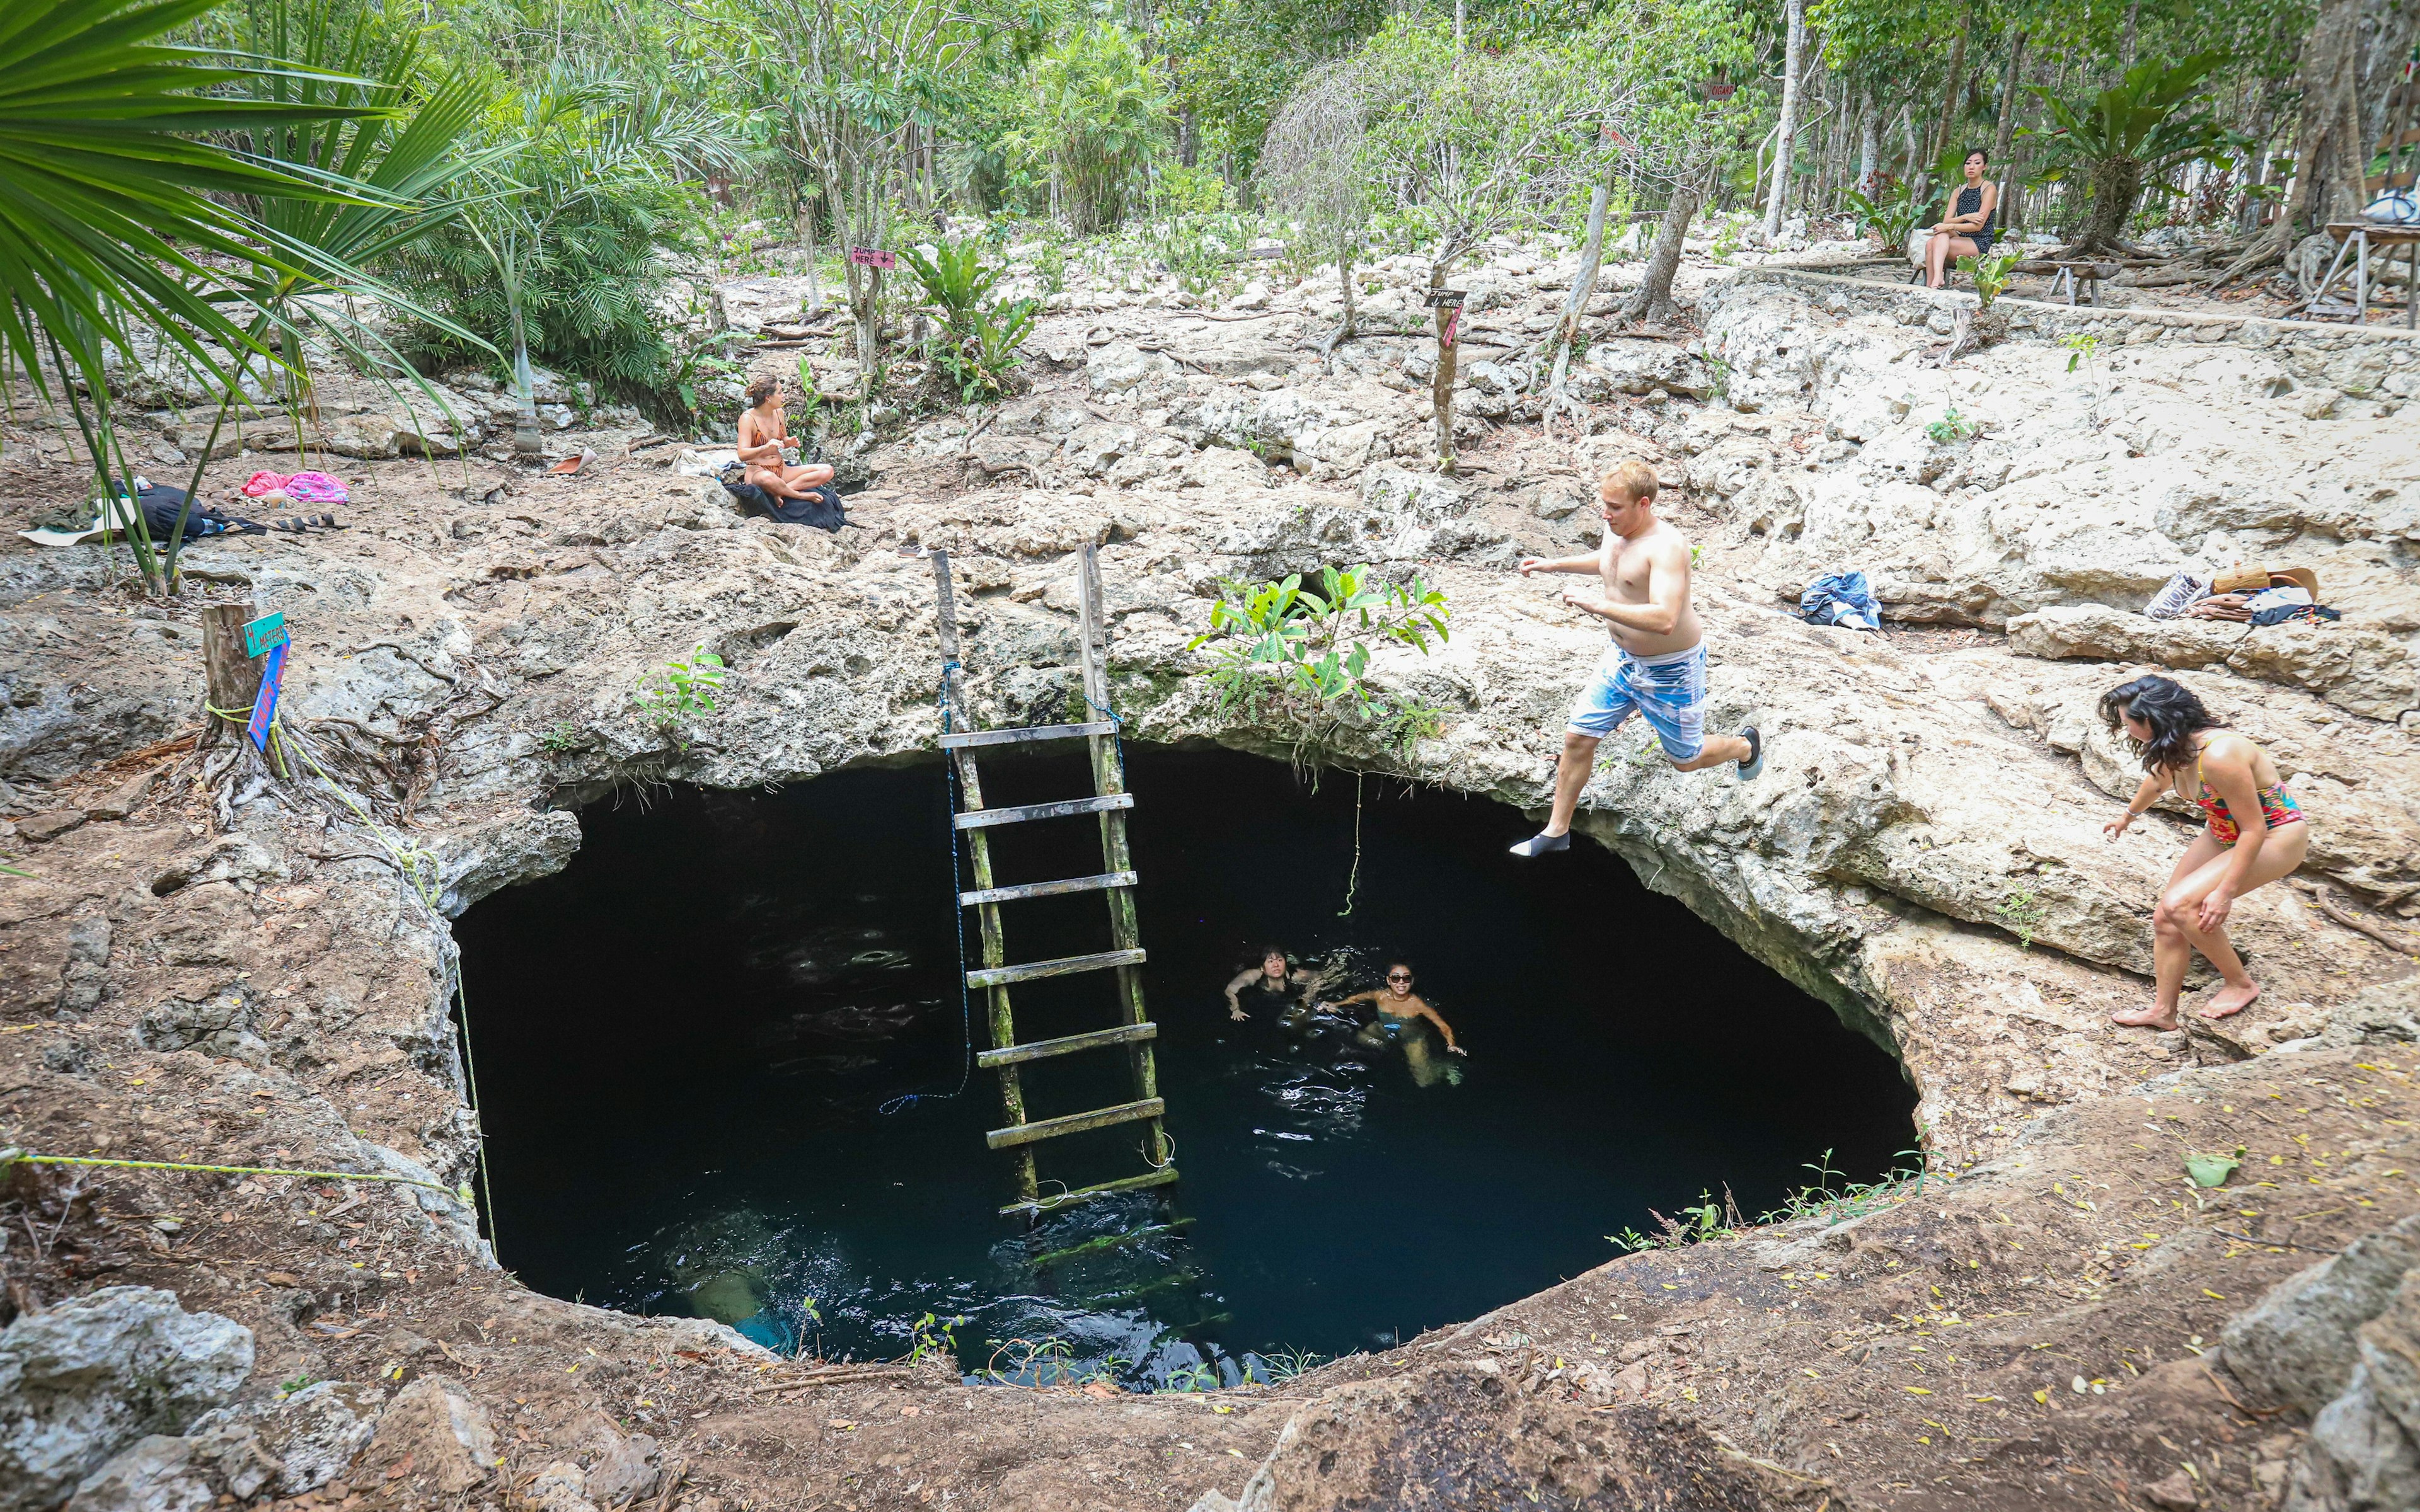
x,y
2036,1325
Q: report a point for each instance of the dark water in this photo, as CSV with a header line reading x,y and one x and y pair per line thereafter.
x,y
684,1042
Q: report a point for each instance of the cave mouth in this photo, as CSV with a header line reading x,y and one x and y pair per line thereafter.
x,y
690,1044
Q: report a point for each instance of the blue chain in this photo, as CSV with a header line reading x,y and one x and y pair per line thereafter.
x,y
966,1010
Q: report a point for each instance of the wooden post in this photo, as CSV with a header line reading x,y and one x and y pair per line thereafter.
x,y
1003,1024
1126,933
230,678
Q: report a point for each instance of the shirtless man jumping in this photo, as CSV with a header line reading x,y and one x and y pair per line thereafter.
x,y
1656,665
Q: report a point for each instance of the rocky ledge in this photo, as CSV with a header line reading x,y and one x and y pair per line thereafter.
x,y
215,958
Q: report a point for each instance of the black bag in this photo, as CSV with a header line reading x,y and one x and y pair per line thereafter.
x,y
162,505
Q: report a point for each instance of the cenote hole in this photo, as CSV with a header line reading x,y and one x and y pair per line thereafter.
x,y
686,1039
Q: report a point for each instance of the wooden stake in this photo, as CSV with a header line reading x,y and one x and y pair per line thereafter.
x,y
230,678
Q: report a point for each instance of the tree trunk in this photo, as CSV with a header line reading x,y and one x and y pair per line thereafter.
x,y
525,433
1344,280
1870,143
865,307
231,679
2115,184
1441,383
2126,37
1559,341
2004,137
1941,141
1652,302
1914,149
1777,201
2330,158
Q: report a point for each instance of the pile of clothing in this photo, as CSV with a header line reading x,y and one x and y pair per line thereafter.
x,y
1840,598
279,488
2258,596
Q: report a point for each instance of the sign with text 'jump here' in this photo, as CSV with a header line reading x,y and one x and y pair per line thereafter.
x,y
873,257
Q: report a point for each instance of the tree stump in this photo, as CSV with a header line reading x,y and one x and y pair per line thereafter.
x,y
231,679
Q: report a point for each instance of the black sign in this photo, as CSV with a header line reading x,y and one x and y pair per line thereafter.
x,y
1446,299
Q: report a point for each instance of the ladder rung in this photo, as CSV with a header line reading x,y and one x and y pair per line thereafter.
x,y
984,818
1063,966
1039,731
1158,1178
1026,1134
1046,889
1044,1049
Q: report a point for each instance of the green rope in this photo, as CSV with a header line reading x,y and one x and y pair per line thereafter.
x,y
15,1157
418,867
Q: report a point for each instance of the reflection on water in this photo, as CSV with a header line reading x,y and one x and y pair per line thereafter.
x,y
687,1039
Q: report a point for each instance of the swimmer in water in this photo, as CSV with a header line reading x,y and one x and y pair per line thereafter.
x,y
1277,981
1400,1011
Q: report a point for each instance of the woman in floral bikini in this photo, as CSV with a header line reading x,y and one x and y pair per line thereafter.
x,y
2256,836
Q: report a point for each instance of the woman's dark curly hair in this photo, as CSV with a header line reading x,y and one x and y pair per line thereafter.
x,y
2172,711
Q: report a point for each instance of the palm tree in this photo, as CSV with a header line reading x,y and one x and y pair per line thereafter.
x,y
113,195
2136,127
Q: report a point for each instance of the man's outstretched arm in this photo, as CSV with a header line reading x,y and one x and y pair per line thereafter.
x,y
1587,563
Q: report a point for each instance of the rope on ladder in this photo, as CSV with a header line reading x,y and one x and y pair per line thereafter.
x,y
966,1010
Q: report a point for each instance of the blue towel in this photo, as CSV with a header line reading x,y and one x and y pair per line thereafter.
x,y
1840,598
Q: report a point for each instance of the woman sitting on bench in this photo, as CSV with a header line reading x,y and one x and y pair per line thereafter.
x,y
1967,232
762,435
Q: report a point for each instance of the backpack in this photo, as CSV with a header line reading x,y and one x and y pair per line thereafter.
x,y
2395,207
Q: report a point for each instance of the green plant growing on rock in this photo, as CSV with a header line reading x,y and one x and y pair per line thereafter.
x,y
2021,913
1951,428
1196,1376
1283,1365
683,690
932,1338
560,737
1991,272
1280,645
977,346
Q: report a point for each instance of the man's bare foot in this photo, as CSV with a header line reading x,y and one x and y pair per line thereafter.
x,y
2153,1017
2230,1000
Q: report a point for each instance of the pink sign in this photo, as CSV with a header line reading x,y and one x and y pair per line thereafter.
x,y
873,257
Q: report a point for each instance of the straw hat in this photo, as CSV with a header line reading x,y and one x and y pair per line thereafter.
x,y
2242,580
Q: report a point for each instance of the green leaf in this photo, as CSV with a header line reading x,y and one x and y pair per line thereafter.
x,y
2212,1170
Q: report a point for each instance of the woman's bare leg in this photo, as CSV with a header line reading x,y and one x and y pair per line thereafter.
x,y
2282,853
774,480
1934,251
2171,951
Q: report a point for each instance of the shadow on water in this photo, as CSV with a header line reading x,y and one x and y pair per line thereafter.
x,y
687,1039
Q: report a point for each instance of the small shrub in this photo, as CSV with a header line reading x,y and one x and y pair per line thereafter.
x,y
563,737
1192,1377
1991,272
1951,428
2022,911
683,690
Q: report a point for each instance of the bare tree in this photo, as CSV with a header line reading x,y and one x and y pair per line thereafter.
x,y
1776,202
1310,171
852,80
1474,145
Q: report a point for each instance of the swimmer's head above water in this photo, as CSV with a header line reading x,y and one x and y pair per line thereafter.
x,y
1274,964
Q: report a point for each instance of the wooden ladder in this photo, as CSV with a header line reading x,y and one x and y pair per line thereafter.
x,y
1116,879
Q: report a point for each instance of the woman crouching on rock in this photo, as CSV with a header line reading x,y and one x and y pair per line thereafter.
x,y
2256,835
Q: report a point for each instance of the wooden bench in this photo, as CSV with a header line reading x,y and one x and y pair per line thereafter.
x,y
2357,238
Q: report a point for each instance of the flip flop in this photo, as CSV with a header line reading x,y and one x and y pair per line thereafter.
x,y
1755,763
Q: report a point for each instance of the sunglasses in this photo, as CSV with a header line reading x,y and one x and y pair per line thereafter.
x,y
1399,976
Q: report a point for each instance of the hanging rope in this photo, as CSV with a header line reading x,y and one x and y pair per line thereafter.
x,y
966,1008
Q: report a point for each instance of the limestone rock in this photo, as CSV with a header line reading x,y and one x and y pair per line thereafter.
x,y
1635,365
626,1469
519,847
2363,1452
315,1433
46,827
560,1487
445,1434
2298,1342
1121,365
222,1024
2388,1013
2356,669
159,1474
83,1381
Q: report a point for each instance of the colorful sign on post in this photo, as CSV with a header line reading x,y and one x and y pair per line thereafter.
x,y
873,257
264,708
263,633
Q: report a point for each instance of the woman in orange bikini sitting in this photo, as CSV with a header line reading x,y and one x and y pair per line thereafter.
x,y
2256,836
